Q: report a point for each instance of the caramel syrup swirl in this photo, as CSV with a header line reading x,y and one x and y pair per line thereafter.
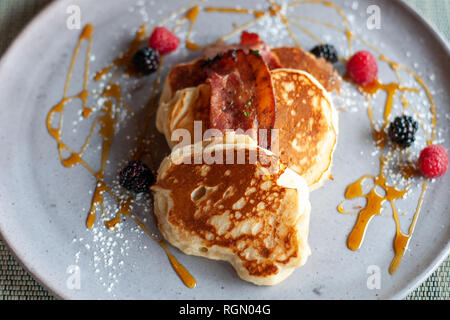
x,y
107,121
373,206
114,102
375,201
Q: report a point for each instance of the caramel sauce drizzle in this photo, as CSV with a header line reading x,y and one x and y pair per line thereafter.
x,y
107,122
256,13
181,271
288,29
338,9
373,206
99,75
391,89
401,240
409,170
303,29
192,15
240,28
74,157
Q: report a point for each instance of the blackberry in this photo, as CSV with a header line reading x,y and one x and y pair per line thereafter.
x,y
136,177
327,51
146,60
402,131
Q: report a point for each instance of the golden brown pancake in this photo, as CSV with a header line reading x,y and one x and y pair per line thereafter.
x,y
253,217
319,68
307,124
180,112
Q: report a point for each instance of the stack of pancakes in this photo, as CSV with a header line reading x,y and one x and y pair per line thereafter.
x,y
252,211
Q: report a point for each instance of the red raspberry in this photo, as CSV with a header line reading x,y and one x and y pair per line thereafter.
x,y
362,67
249,38
433,161
163,40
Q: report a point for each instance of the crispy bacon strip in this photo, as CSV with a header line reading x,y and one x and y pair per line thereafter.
x,y
265,98
192,74
241,92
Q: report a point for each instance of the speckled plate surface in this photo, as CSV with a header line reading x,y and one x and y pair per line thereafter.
x,y
43,205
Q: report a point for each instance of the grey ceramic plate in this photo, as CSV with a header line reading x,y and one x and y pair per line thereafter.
x,y
43,205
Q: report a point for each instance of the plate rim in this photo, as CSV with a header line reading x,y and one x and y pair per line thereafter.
x,y
439,259
3,58
400,294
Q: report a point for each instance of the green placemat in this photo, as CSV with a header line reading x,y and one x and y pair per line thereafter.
x,y
17,284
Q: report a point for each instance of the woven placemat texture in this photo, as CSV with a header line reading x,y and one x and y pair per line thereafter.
x,y
17,284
